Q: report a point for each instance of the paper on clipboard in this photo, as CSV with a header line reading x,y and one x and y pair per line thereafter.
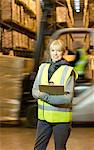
x,y
52,89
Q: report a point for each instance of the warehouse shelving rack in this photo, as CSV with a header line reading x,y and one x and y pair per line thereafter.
x,y
12,25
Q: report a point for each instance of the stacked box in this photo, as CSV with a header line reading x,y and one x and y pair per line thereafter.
x,y
18,15
23,41
14,39
6,39
61,14
90,69
10,87
30,4
28,65
8,10
22,15
91,12
31,44
10,39
34,25
0,39
12,70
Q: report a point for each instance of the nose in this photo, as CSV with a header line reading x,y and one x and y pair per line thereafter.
x,y
55,51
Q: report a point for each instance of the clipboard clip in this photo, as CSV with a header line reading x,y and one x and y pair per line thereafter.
x,y
51,83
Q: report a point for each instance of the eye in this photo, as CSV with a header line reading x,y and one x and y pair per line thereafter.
x,y
59,50
52,50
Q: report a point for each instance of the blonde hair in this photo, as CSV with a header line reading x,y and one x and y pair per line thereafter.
x,y
58,44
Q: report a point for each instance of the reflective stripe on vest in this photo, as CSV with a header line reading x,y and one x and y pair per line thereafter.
x,y
47,111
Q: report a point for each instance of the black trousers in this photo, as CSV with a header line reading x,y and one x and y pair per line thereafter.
x,y
61,132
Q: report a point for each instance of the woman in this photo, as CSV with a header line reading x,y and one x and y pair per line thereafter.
x,y
54,111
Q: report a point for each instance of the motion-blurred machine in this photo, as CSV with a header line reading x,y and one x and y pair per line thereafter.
x,y
13,74
83,103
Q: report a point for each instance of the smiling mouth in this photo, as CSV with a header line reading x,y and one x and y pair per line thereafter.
x,y
55,57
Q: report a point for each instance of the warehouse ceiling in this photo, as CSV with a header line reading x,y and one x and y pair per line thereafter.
x,y
82,3
78,17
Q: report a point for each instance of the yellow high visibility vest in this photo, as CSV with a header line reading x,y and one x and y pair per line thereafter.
x,y
48,112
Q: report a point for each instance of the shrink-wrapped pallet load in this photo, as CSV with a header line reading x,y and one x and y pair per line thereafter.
x,y
10,87
12,71
61,14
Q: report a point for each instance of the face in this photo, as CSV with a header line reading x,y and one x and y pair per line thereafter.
x,y
56,54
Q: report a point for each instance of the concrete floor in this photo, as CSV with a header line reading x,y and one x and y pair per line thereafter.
x,y
17,138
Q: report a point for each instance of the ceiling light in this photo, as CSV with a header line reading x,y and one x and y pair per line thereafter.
x,y
77,5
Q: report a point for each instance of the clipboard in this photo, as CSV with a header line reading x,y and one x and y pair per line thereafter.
x,y
52,89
